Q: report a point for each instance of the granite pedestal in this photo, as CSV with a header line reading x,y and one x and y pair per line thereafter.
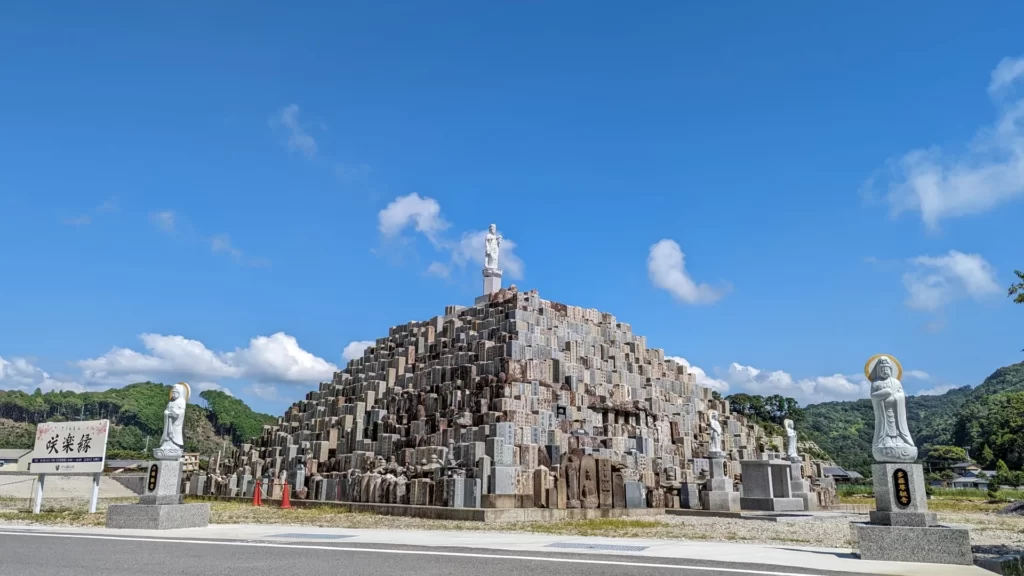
x,y
719,494
767,486
800,487
160,505
902,529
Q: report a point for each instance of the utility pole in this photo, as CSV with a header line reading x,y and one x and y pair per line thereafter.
x,y
146,449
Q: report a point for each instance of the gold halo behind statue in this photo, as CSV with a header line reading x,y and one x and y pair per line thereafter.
x,y
188,390
870,365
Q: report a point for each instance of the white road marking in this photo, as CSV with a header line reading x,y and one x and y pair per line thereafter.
x,y
414,552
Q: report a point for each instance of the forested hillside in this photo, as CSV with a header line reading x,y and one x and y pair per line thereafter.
x,y
987,420
135,412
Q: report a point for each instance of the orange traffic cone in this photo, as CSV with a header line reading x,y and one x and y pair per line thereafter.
x,y
286,501
257,497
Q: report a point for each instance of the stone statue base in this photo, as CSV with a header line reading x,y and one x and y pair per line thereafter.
x,y
901,528
492,280
767,486
719,494
160,505
172,453
801,487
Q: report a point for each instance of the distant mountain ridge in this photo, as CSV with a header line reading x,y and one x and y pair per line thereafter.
x,y
135,413
990,415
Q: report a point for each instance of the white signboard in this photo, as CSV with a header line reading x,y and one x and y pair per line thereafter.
x,y
70,447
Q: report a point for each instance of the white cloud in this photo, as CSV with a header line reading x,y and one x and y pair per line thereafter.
x,y
21,374
720,386
806,390
1005,74
423,213
438,269
298,139
470,248
275,358
204,386
918,374
989,173
937,390
934,282
265,391
667,269
355,349
165,220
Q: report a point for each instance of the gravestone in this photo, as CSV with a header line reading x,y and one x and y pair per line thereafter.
x,y
604,482
588,483
636,496
618,490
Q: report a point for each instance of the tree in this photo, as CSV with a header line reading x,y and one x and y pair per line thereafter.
x,y
1017,290
987,456
946,455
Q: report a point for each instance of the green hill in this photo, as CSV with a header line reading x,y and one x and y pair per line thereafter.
x,y
135,413
988,416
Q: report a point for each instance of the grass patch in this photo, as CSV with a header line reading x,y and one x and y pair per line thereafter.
x,y
59,516
593,527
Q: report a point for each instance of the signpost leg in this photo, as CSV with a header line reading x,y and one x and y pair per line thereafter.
x,y
39,494
95,492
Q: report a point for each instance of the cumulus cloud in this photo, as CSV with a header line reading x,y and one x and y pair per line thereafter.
x,y
720,386
423,213
805,390
265,391
937,390
438,269
164,220
934,282
204,386
274,358
666,267
918,374
21,374
355,349
298,139
470,248
989,173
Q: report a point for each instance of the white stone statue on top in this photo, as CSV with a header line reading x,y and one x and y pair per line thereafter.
x,y
791,449
892,441
172,441
715,449
491,245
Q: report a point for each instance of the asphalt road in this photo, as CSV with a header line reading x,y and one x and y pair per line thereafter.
x,y
67,555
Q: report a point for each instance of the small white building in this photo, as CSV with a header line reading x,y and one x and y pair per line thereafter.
x,y
14,459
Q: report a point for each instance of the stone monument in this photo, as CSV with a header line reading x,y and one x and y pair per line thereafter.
x,y
718,494
799,486
767,485
901,527
160,506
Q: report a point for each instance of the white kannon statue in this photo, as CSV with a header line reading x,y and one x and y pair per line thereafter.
x,y
172,441
715,448
491,244
791,450
892,441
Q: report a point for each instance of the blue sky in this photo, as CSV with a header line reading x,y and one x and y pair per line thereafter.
x,y
233,194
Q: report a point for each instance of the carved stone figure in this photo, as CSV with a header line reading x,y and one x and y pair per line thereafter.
x,y
172,441
892,441
791,450
715,449
491,245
